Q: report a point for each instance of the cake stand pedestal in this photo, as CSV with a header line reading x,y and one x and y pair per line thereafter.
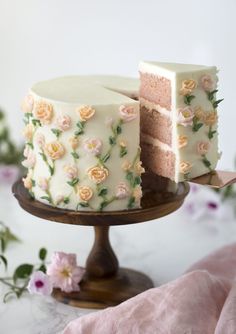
x,y
105,283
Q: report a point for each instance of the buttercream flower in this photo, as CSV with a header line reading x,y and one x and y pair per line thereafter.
x,y
122,143
126,165
28,131
59,199
188,86
85,193
109,121
43,183
137,193
207,82
93,146
200,113
64,122
98,174
185,167
182,141
74,142
185,116
27,181
30,161
86,112
71,171
138,168
44,112
64,272
128,113
55,150
203,147
40,284
122,191
40,140
27,151
27,104
211,118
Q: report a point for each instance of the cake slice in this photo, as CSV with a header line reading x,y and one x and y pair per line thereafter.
x,y
179,119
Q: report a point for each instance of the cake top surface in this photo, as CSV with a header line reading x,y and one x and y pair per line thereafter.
x,y
171,68
91,89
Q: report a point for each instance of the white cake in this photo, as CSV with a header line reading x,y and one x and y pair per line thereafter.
x,y
82,143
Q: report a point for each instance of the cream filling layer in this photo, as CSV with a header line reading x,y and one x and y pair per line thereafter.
x,y
153,106
155,142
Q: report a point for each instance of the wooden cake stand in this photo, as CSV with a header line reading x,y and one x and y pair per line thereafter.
x,y
105,283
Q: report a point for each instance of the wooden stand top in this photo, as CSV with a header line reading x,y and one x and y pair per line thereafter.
x,y
155,204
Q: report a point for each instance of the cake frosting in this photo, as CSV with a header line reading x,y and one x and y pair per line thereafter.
x,y
82,143
179,119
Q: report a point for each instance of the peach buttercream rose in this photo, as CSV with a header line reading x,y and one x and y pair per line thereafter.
x,y
86,112
85,193
74,142
211,118
185,116
71,171
137,193
55,150
27,181
128,113
138,168
126,165
122,191
30,160
185,167
188,86
203,147
44,112
182,141
207,83
200,113
27,104
28,131
98,174
64,122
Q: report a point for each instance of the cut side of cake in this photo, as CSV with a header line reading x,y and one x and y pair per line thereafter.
x,y
179,119
83,143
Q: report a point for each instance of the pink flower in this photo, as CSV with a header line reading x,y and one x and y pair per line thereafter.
x,y
27,104
43,183
9,174
64,272
185,116
207,83
40,284
40,140
122,191
27,151
59,199
30,161
71,171
203,147
64,122
93,146
128,113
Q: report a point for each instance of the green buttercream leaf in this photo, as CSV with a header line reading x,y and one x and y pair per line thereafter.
x,y
137,181
102,192
211,134
105,157
123,151
36,122
75,155
188,99
33,183
131,202
103,205
216,103
83,204
129,176
118,129
206,162
43,156
196,125
51,169
30,145
112,140
66,200
211,95
47,198
56,132
73,182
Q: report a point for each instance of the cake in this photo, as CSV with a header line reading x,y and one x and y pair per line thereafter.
x,y
83,143
179,119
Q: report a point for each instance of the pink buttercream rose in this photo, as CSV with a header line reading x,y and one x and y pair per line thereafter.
x,y
185,116
203,147
207,83
128,113
30,161
122,191
64,272
40,140
71,171
43,183
93,146
40,284
64,122
27,151
27,104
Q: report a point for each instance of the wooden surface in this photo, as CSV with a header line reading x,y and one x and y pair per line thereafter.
x,y
216,179
155,204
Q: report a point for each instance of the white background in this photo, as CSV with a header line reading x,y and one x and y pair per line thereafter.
x,y
40,39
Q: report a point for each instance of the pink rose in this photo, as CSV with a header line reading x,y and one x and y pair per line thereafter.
x,y
203,147
27,104
128,113
122,191
43,183
64,272
30,161
185,116
71,171
207,83
40,140
64,122
93,146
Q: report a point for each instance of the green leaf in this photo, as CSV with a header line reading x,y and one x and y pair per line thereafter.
x,y
188,99
105,157
56,132
75,155
211,134
51,169
42,268
36,122
206,162
73,182
43,156
4,260
79,132
31,194
137,181
83,204
23,271
196,125
3,244
30,145
47,198
118,129
103,205
216,103
112,140
211,95
102,192
131,202
33,183
129,176
123,151
66,200
42,254
80,126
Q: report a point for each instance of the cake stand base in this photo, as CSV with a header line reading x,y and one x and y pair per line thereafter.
x,y
99,293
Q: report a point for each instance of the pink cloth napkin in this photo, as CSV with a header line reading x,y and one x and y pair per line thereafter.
x,y
203,301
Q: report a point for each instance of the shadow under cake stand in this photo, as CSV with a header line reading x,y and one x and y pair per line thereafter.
x,y
105,283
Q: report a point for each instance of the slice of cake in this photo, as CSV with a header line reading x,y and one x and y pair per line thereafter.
x,y
82,145
178,119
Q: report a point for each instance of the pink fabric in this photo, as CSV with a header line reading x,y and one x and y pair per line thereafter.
x,y
203,301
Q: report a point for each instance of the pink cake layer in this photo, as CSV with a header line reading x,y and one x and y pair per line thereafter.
x,y
155,89
158,161
156,125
